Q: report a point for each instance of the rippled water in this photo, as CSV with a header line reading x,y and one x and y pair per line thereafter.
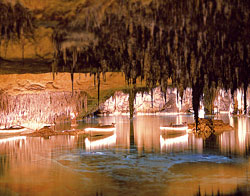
x,y
136,160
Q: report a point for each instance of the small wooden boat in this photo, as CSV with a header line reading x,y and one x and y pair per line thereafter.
x,y
175,127
101,129
13,129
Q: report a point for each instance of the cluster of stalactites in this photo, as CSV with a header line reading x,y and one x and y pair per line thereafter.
x,y
198,44
15,22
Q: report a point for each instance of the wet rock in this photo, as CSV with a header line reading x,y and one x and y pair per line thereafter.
x,y
208,128
44,132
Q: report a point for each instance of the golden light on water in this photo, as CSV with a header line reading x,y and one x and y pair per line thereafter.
x,y
102,143
236,141
11,139
49,165
178,143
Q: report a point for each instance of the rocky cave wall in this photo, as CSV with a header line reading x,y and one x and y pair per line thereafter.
x,y
36,110
119,103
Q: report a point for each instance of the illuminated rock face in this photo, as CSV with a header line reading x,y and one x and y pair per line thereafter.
x,y
222,101
36,110
144,104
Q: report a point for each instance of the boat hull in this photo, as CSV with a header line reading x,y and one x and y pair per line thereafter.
x,y
171,128
13,131
100,131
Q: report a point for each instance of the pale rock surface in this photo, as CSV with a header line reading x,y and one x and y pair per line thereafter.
x,y
119,103
36,110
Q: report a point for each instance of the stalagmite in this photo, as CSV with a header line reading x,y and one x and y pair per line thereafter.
x,y
239,100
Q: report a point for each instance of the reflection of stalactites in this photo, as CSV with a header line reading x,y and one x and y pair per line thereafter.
x,y
165,97
179,143
197,90
100,143
132,138
242,133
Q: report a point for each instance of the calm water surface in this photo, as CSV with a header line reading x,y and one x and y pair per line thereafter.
x,y
138,159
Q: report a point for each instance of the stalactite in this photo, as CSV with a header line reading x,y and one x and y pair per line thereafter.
x,y
104,76
150,49
65,56
54,67
132,138
72,80
197,89
94,79
99,85
74,58
152,97
132,93
86,103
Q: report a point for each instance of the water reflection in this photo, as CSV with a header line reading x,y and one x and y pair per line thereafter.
x,y
147,134
236,142
137,159
179,143
98,143
9,139
144,134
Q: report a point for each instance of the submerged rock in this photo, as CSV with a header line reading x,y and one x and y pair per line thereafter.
x,y
208,127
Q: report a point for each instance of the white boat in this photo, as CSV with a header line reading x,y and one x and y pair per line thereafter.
x,y
101,130
175,127
13,129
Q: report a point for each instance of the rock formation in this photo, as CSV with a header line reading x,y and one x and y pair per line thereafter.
x,y
169,102
208,127
35,110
